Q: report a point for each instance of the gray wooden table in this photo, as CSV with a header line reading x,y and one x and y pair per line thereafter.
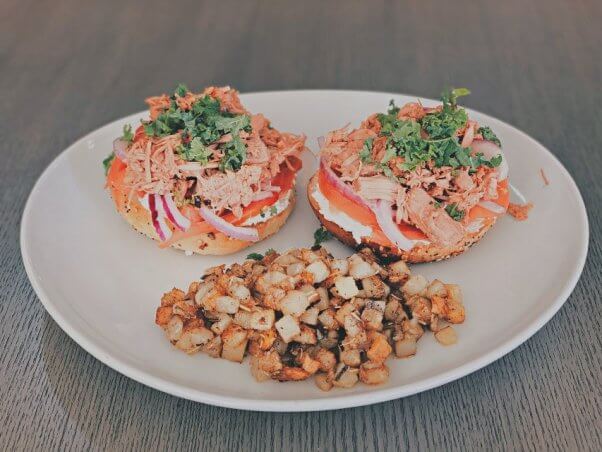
x,y
67,68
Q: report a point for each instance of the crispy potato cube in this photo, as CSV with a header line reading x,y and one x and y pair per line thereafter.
x,y
173,296
359,268
373,313
340,266
294,303
226,304
163,315
319,271
310,316
379,348
192,339
416,285
307,335
292,374
287,327
436,287
373,373
326,359
345,376
346,287
405,347
446,336
374,287
323,382
351,357
235,341
328,320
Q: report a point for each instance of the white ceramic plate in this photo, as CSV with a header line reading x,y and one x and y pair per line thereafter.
x,y
101,282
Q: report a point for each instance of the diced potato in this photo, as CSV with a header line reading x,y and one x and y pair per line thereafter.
x,y
214,347
343,312
287,327
163,315
353,325
351,357
359,268
398,273
416,285
326,359
345,376
295,269
328,320
373,373
323,381
372,315
436,287
374,287
192,339
319,270
227,305
405,347
346,287
446,336
222,321
293,374
340,266
234,341
173,296
421,308
174,328
294,303
324,301
307,335
379,348
310,316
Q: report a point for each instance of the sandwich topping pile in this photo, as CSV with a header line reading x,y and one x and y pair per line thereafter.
x,y
304,313
413,175
203,160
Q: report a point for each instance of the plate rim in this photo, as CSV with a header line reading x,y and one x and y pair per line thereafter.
x,y
318,404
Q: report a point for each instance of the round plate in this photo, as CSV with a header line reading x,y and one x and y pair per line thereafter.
x,y
101,282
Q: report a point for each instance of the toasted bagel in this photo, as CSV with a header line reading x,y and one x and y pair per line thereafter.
x,y
420,253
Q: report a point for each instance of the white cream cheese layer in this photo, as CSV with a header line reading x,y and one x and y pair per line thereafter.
x,y
271,211
343,220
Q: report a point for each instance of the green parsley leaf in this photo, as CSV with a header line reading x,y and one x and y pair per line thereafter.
x,y
454,212
366,152
196,151
437,204
393,109
128,135
449,97
106,163
235,154
321,235
181,90
273,210
233,125
255,256
489,135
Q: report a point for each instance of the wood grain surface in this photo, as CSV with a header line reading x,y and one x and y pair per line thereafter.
x,y
68,67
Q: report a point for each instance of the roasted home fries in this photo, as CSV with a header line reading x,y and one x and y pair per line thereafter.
x,y
305,313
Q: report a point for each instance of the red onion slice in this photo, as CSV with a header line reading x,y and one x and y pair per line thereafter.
x,y
236,232
384,216
173,213
492,207
490,150
158,220
119,148
340,185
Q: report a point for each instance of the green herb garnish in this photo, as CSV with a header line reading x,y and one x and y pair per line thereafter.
x,y
106,163
489,135
255,256
321,235
366,152
235,154
128,135
454,212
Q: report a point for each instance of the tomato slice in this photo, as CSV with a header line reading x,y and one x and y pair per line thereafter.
x,y
361,213
365,216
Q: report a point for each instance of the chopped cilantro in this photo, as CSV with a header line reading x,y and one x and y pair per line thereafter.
x,y
128,135
255,256
437,204
234,124
181,90
405,138
106,163
273,210
489,135
452,210
321,235
235,154
366,152
196,151
202,124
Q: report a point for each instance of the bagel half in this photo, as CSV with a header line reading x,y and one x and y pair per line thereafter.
x,y
420,253
206,243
